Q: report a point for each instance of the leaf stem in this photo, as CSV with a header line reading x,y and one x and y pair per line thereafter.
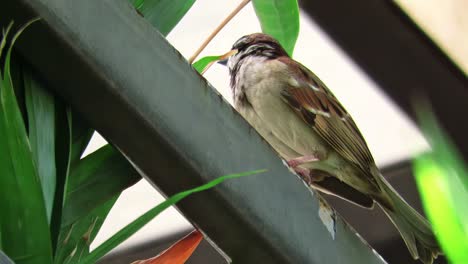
x,y
217,29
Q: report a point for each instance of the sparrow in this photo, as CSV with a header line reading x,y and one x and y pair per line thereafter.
x,y
302,120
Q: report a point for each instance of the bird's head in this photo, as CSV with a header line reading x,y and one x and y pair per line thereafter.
x,y
257,44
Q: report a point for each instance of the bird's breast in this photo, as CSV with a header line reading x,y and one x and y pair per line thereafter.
x,y
259,101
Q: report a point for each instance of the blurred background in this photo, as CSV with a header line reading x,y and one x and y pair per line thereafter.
x,y
390,134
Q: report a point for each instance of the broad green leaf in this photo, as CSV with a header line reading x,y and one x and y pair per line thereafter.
x,y
141,221
441,177
93,185
21,199
201,64
75,239
279,19
163,14
40,106
94,180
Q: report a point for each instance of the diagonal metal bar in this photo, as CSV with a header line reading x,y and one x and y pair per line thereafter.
x,y
399,57
138,92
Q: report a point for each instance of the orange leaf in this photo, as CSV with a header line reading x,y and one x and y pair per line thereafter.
x,y
178,253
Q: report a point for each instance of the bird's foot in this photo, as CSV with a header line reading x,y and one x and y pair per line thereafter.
x,y
294,163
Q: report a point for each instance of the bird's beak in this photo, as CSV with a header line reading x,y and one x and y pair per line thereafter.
x,y
223,62
223,59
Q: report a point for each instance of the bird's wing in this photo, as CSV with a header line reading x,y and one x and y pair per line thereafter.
x,y
319,108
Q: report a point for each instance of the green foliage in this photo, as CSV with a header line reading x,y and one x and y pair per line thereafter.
x,y
33,173
201,64
441,177
280,19
21,199
163,14
95,179
40,106
88,187
41,143
141,221
75,239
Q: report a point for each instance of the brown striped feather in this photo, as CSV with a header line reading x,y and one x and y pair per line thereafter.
x,y
331,121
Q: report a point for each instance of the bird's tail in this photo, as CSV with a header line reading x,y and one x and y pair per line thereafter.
x,y
414,228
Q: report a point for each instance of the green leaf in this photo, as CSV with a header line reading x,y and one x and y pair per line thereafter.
x,y
201,64
4,37
21,199
81,133
279,19
204,63
441,177
141,221
62,160
137,3
73,135
75,239
96,179
163,14
16,71
40,106
93,185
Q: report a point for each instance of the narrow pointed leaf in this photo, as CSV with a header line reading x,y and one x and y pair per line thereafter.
x,y
16,71
75,239
96,179
179,252
62,161
163,14
141,221
202,64
40,106
280,19
21,199
5,32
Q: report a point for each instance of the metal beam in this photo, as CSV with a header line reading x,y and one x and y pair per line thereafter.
x,y
141,95
399,57
373,225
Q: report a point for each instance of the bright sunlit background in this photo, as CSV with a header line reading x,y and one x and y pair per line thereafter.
x,y
389,133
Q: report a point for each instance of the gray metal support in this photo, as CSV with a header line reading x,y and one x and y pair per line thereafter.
x,y
139,93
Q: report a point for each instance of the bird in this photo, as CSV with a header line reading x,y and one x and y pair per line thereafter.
x,y
295,112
